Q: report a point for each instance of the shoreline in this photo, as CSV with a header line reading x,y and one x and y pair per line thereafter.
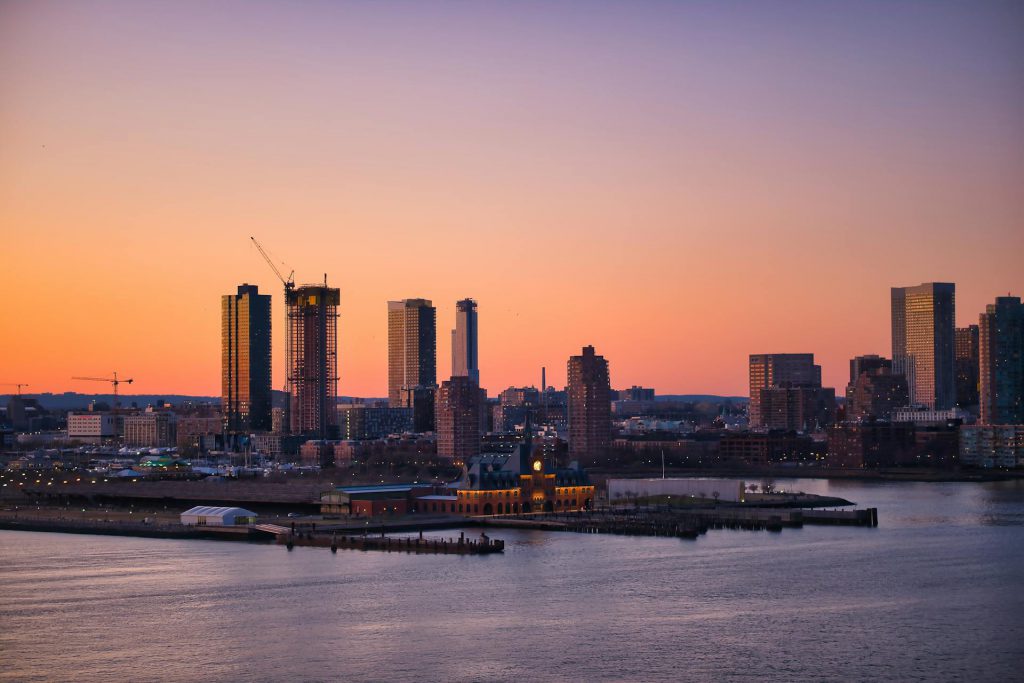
x,y
887,475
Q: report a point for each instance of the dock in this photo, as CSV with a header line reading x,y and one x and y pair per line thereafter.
x,y
406,544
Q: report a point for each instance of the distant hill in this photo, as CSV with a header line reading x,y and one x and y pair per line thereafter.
x,y
698,398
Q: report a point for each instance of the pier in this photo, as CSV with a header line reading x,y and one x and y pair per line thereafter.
x,y
391,544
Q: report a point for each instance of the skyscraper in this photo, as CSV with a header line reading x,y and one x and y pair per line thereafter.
x,y
923,342
1001,329
874,390
590,405
967,366
464,341
412,359
768,370
458,409
312,364
245,360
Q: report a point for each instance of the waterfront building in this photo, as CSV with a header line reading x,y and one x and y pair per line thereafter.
x,y
465,362
872,443
458,412
1001,342
312,364
967,350
874,390
207,515
992,446
150,429
521,482
923,342
768,370
245,360
795,407
590,406
412,359
764,448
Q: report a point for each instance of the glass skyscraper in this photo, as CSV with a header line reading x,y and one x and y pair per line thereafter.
x,y
245,360
923,342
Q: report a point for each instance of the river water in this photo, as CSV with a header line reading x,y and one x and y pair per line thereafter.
x,y
936,592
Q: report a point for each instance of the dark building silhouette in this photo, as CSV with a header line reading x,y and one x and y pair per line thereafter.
x,y
1001,343
798,408
874,390
768,370
967,366
590,405
246,360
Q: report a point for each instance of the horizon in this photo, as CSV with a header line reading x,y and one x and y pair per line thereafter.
x,y
621,178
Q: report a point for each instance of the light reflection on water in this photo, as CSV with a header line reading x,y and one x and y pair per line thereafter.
x,y
933,593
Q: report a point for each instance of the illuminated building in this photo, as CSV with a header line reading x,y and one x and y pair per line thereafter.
x,y
412,359
923,342
521,482
313,359
245,360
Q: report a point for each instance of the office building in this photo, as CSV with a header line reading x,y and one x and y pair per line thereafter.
x,y
458,412
150,430
245,360
923,342
359,421
769,370
590,405
967,347
797,408
412,359
465,362
312,364
874,390
858,445
1001,361
92,427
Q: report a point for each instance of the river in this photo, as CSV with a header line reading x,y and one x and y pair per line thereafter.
x,y
936,592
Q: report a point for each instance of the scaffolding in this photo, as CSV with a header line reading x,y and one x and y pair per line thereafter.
x,y
312,363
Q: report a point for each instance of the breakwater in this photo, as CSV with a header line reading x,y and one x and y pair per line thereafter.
x,y
419,545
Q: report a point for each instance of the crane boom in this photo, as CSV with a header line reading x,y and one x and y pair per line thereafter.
x,y
288,283
114,381
15,384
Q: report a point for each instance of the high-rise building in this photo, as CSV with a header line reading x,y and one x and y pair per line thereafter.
x,y
412,359
769,370
590,405
874,390
245,360
312,365
465,362
458,411
923,342
797,408
967,366
1001,342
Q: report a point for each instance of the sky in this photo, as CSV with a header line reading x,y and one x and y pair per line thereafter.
x,y
679,184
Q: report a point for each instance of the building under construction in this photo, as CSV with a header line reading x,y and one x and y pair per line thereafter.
x,y
312,363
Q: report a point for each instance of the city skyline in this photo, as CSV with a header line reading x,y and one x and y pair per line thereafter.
x,y
659,191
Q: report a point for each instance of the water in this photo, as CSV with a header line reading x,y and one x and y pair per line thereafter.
x,y
934,593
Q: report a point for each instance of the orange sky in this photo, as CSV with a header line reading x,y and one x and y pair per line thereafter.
x,y
678,185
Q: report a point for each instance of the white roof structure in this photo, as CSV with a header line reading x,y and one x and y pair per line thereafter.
x,y
209,511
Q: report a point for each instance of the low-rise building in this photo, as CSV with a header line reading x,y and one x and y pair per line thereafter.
x,y
206,515
858,445
92,427
992,446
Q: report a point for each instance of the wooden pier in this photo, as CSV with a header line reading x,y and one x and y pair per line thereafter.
x,y
392,544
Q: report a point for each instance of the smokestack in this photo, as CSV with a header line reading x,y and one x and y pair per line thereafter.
x,y
543,378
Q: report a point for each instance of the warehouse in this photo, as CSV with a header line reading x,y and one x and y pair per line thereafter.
x,y
204,515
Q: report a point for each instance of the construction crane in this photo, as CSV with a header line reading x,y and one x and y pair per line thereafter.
x,y
289,283
114,381
14,384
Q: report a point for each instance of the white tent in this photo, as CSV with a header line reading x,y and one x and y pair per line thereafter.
x,y
205,515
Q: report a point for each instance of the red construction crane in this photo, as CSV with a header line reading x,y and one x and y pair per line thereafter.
x,y
114,381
